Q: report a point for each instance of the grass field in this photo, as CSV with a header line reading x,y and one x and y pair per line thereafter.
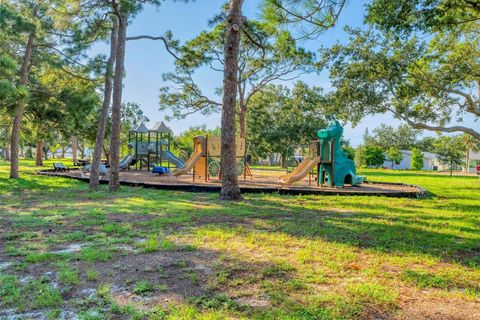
x,y
150,254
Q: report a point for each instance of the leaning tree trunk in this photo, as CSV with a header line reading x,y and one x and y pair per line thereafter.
x,y
17,120
38,153
230,188
114,182
74,148
106,153
102,121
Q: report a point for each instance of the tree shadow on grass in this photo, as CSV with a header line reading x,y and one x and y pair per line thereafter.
x,y
398,234
407,229
207,280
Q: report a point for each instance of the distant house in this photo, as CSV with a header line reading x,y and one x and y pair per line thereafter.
x,y
431,162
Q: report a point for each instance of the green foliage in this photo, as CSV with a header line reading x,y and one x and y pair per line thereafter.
x,y
308,18
406,16
280,118
92,274
68,275
142,287
45,296
8,90
394,156
374,156
426,81
385,136
151,244
360,160
10,290
39,257
91,254
450,151
59,92
416,160
270,57
184,141
350,151
426,144
104,290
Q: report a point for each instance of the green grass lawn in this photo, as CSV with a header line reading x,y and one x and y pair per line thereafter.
x,y
151,254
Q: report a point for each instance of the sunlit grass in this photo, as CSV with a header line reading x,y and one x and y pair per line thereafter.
x,y
296,257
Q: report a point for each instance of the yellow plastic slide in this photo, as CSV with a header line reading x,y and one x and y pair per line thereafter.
x,y
188,165
298,168
301,171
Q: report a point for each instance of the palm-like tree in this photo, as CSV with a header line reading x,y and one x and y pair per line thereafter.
x,y
471,144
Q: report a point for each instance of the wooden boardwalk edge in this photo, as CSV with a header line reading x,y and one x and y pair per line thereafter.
x,y
192,187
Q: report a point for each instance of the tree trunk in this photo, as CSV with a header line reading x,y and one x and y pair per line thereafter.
x,y
62,156
228,167
17,120
7,153
467,160
102,121
82,151
74,148
106,153
38,153
283,163
114,182
242,116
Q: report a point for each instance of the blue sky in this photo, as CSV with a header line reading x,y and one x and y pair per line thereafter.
x,y
147,60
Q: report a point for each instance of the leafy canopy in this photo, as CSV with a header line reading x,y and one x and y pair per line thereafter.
x,y
264,57
282,118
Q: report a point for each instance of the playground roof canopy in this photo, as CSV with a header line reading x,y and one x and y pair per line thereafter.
x,y
140,129
160,127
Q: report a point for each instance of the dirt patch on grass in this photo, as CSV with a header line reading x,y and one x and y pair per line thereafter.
x,y
427,306
169,276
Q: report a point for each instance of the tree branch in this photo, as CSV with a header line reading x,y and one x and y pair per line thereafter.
x,y
424,126
163,39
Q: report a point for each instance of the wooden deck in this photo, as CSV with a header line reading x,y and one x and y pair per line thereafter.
x,y
260,182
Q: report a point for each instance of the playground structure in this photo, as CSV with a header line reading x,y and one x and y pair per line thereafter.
x,y
332,164
205,160
151,147
325,162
